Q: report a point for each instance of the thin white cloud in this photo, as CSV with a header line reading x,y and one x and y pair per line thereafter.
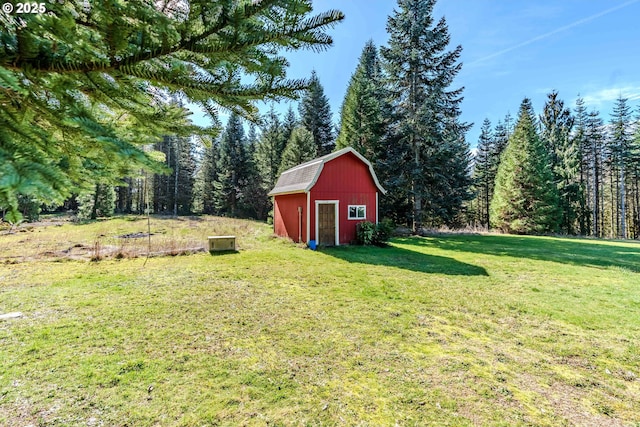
x,y
551,33
605,96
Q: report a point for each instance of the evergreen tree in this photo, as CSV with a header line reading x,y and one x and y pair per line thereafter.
x,y
420,70
315,115
581,143
253,198
289,123
621,142
361,117
508,125
482,172
173,192
124,196
556,134
595,141
99,202
234,170
525,200
184,177
270,148
501,135
252,137
634,175
84,84
394,171
29,207
209,171
300,149
231,166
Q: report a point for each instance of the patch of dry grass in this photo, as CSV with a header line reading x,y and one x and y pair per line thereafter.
x,y
58,238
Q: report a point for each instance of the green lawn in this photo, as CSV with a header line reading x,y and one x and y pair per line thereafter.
x,y
446,330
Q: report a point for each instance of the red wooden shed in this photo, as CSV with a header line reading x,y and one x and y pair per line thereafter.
x,y
322,200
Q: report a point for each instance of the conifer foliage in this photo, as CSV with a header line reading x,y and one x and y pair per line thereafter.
x,y
270,147
315,115
209,176
432,153
621,160
483,172
173,192
525,199
564,155
300,148
83,84
233,170
362,120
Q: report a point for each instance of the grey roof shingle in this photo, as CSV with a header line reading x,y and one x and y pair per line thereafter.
x,y
297,179
301,178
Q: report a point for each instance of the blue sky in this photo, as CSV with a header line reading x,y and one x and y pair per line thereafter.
x,y
511,49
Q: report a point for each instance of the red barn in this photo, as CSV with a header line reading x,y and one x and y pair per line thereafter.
x,y
322,200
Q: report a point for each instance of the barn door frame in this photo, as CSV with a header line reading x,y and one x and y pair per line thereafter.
x,y
336,204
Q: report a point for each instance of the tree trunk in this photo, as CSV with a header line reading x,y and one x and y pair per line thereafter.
x,y
486,203
613,231
96,195
636,231
596,198
175,182
623,208
417,197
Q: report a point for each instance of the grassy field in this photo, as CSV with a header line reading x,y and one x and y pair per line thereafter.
x,y
457,330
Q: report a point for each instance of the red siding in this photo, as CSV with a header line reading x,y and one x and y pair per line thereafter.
x,y
346,179
285,215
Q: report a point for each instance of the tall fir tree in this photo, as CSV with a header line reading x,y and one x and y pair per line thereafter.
x,y
482,172
255,201
288,124
252,137
501,134
525,200
300,149
435,155
209,171
163,183
270,147
232,169
581,143
595,143
99,202
124,196
556,134
362,121
184,177
315,115
634,175
621,158
173,192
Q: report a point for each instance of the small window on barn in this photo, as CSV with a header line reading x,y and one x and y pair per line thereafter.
x,y
357,212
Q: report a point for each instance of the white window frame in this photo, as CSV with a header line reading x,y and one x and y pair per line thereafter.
x,y
357,218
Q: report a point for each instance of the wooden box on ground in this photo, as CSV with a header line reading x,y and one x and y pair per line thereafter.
x,y
222,243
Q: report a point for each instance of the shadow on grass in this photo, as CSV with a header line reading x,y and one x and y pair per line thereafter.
x,y
580,252
392,256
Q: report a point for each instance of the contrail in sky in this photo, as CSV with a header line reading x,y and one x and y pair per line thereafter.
x,y
556,31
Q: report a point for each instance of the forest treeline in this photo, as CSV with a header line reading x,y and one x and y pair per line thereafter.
x,y
567,170
399,111
104,130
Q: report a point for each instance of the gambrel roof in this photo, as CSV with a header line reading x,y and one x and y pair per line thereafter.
x,y
300,179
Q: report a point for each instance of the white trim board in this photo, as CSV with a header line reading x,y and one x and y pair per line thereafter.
x,y
308,217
